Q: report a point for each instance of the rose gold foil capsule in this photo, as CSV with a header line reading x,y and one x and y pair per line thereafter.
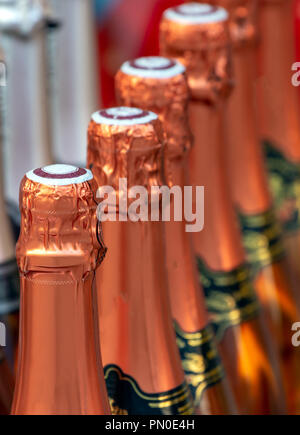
x,y
198,35
142,364
59,249
242,18
159,84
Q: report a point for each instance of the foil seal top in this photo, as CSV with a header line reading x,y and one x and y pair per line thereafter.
x,y
127,143
153,67
242,17
22,17
159,84
59,227
198,36
191,13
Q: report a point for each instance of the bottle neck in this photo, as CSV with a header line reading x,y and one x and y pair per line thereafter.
x,y
247,175
278,98
219,243
59,366
134,306
188,306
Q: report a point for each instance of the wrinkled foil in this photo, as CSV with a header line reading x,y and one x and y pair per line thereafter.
x,y
58,251
59,227
168,98
134,152
242,16
205,50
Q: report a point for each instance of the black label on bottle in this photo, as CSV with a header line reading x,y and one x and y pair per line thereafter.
x,y
284,177
262,236
126,397
230,296
200,359
9,287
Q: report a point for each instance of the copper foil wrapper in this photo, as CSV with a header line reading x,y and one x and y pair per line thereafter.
x,y
254,374
279,114
134,152
242,16
60,246
278,99
169,98
166,97
137,335
58,227
204,49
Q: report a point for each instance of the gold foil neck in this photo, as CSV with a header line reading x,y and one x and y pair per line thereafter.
x,y
205,51
166,97
243,19
133,152
59,227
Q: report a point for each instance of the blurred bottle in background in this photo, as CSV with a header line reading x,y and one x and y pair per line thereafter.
x,y
198,35
159,84
74,83
58,251
9,274
26,119
279,116
141,361
126,29
262,234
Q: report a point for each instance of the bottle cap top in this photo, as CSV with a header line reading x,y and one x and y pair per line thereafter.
x,y
123,116
58,219
59,175
156,67
127,143
195,13
201,41
242,19
158,84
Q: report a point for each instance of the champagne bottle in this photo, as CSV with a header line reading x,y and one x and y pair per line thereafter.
x,y
141,361
159,84
198,35
58,251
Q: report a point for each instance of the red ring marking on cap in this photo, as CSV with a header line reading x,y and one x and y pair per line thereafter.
x,y
41,173
107,115
135,65
181,11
